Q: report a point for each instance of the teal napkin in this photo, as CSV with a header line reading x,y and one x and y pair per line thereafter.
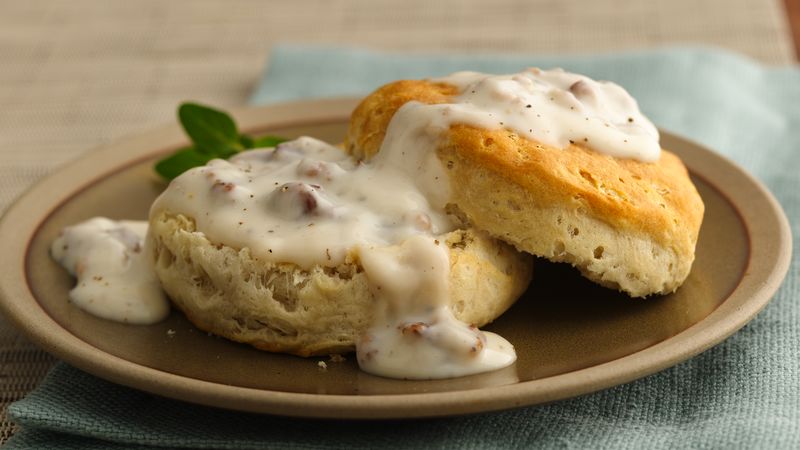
x,y
743,393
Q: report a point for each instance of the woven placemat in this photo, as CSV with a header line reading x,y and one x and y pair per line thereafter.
x,y
78,74
22,366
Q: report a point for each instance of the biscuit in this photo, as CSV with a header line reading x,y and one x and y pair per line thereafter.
x,y
624,224
282,308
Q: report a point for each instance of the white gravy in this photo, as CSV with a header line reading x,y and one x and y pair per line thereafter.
x,y
414,334
555,108
115,279
306,202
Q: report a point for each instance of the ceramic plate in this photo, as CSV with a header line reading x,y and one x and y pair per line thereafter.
x,y
571,336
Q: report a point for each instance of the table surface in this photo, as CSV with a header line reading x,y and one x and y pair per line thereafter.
x,y
76,74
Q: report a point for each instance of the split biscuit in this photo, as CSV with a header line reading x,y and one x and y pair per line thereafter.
x,y
624,224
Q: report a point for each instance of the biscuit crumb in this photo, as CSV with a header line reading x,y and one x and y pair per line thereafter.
x,y
322,365
171,332
337,358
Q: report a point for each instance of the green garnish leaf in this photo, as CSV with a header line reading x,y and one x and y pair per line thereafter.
x,y
268,141
211,130
181,161
246,141
214,135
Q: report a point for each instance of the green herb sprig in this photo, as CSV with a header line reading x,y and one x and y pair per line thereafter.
x,y
213,134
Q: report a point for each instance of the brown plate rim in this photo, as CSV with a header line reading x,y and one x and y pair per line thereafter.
x,y
770,254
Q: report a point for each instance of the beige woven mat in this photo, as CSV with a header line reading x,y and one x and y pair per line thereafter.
x,y
76,74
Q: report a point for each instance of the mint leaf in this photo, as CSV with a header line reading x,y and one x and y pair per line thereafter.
x,y
246,141
211,130
214,134
268,141
181,161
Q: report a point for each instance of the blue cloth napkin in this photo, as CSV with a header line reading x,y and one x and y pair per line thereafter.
x,y
743,393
